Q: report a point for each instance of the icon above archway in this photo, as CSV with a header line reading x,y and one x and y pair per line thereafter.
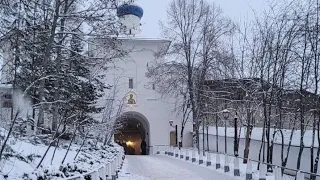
x,y
131,98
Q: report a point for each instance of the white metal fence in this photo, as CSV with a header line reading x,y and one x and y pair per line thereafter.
x,y
229,162
109,171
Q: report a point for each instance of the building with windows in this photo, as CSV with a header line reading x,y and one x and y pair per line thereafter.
x,y
133,99
145,115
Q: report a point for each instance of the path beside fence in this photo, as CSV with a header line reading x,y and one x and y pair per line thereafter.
x,y
227,163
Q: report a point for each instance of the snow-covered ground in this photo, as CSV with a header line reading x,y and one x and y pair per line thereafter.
x,y
160,167
22,156
210,172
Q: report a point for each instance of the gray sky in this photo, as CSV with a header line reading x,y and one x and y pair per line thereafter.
x,y
155,10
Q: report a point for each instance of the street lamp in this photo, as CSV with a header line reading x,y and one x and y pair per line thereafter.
x,y
225,114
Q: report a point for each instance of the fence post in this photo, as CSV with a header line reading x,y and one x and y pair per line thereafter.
x,y
176,152
218,165
171,151
193,159
101,173
236,170
278,173
114,171
249,170
95,176
300,175
201,157
108,167
262,171
104,172
118,162
208,159
226,163
187,154
181,154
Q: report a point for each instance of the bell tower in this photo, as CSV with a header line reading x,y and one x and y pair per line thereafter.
x,y
129,14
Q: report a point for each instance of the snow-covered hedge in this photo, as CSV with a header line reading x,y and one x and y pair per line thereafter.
x,y
22,155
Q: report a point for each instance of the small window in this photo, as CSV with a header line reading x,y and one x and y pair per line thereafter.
x,y
7,104
131,83
7,96
153,87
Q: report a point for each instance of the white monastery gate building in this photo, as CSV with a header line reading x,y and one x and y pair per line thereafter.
x,y
145,114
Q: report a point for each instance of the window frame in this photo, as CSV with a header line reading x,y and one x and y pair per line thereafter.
x,y
131,83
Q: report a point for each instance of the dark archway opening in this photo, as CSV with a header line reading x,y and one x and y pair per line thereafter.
x,y
130,134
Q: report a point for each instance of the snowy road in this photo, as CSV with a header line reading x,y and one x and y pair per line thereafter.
x,y
158,167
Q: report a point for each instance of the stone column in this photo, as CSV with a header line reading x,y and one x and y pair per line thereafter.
x,y
193,159
226,163
236,170
218,165
262,171
208,159
249,170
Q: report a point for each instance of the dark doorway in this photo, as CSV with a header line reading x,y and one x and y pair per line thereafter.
x,y
130,134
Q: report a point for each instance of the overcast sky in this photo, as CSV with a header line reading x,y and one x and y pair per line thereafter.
x,y
155,10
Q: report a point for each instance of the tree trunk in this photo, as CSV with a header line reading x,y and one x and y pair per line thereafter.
x,y
285,160
51,143
203,145
58,67
55,149
46,59
316,161
247,144
84,140
312,145
217,134
74,134
13,122
181,136
262,146
300,150
207,138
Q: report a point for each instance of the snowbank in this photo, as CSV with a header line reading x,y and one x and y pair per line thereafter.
x,y
22,156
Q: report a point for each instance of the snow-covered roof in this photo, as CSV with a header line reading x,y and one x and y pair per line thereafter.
x,y
138,38
133,38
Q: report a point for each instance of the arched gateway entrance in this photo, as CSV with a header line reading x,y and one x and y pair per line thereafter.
x,y
133,127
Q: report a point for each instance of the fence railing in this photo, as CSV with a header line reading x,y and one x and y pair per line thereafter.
x,y
207,158
108,171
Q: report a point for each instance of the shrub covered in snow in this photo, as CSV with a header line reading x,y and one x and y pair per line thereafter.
x,y
22,155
